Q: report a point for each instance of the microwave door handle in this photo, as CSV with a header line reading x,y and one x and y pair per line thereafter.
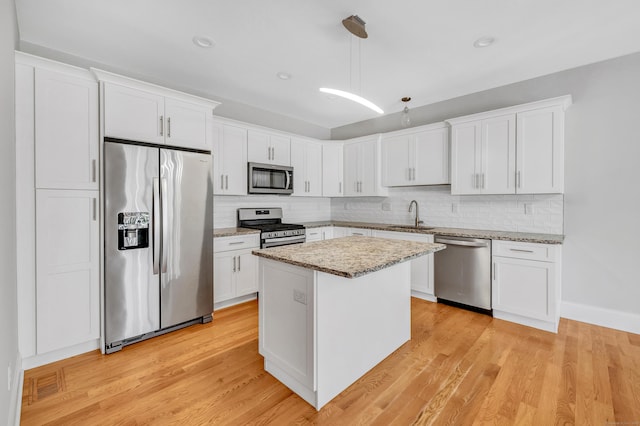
x,y
288,180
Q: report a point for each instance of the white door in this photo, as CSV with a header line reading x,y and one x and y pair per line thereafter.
x,y
524,287
540,151
280,150
186,124
397,162
66,131
465,158
368,168
67,268
498,155
313,166
246,273
430,155
298,162
332,170
230,160
351,176
223,276
133,114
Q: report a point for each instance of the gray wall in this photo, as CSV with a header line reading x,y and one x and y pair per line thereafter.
x,y
8,298
228,108
602,197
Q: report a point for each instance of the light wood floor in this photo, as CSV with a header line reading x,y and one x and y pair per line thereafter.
x,y
460,368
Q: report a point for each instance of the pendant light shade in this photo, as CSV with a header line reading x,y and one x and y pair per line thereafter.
x,y
355,25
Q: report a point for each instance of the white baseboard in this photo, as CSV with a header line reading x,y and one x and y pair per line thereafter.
x,y
624,321
423,296
235,301
53,356
15,401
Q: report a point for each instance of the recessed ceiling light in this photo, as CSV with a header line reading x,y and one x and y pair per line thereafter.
x,y
483,42
202,41
283,75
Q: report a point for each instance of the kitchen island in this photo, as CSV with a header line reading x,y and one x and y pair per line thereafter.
x,y
331,310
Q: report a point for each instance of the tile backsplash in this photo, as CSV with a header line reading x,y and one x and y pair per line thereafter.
x,y
294,209
519,213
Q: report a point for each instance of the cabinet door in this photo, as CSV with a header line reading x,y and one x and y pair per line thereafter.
x,y
524,287
246,273
332,170
313,166
230,160
396,161
351,177
314,234
358,232
430,155
498,155
298,162
368,168
224,276
540,151
133,114
66,131
280,150
465,158
186,124
67,268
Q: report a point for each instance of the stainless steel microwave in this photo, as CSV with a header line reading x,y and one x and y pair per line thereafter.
x,y
270,179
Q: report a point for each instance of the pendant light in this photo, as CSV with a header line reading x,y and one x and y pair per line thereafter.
x,y
355,25
405,118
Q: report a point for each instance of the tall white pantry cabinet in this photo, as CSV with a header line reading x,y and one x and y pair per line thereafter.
x,y
57,210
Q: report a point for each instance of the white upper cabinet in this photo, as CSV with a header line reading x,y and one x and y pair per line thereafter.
x,y
362,167
332,169
540,151
306,160
512,150
229,159
418,156
142,112
268,148
66,130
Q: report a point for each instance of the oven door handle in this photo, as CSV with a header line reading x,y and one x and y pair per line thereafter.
x,y
288,180
285,239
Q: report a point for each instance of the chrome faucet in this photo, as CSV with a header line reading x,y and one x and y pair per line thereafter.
x,y
418,221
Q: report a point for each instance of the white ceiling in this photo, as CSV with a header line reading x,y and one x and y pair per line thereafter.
x,y
418,48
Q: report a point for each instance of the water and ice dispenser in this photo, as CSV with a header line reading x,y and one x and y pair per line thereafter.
x,y
133,230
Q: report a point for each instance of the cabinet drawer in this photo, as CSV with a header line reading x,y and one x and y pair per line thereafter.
x,y
529,251
236,243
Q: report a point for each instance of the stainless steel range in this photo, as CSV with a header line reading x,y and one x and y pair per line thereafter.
x,y
273,232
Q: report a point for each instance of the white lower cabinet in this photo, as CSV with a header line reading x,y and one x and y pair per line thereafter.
x,y
67,269
526,283
421,268
235,270
319,233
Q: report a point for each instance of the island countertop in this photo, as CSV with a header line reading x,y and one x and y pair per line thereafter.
x,y
349,257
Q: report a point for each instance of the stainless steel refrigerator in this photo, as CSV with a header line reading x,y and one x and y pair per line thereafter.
x,y
158,234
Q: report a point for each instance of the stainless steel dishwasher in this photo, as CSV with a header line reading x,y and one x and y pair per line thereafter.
x,y
463,272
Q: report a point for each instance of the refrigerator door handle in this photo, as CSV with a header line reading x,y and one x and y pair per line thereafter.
x,y
156,226
165,225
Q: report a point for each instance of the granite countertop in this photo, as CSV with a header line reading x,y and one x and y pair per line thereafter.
x,y
349,257
232,232
450,232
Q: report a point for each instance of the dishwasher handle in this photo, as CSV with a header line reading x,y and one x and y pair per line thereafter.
x,y
461,243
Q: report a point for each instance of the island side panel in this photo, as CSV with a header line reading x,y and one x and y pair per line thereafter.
x,y
286,327
359,322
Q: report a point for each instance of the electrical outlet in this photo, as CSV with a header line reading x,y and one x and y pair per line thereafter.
x,y
386,207
454,208
300,296
9,377
528,208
